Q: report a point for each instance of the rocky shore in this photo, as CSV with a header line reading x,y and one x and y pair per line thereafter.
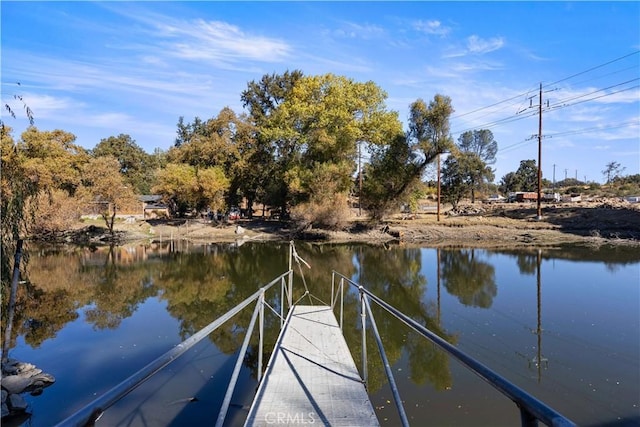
x,y
18,378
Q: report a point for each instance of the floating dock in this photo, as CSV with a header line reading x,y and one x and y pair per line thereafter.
x,y
311,377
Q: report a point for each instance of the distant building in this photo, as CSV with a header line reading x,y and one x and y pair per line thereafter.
x,y
152,206
572,198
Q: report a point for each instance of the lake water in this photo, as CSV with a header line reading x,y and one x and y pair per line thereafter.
x,y
562,323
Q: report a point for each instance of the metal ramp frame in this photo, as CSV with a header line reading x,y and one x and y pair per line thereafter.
x,y
320,360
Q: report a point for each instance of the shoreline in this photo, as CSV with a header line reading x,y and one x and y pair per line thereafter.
x,y
480,227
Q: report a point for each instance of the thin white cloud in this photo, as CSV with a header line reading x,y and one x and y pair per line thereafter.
x,y
354,30
220,41
475,66
477,45
432,27
200,39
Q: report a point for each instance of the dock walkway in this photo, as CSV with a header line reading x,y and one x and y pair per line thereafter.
x,y
311,377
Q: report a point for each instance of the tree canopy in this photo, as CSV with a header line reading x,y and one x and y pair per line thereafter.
x,y
524,179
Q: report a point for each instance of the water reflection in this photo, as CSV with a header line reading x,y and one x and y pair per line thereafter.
x,y
470,279
395,276
436,287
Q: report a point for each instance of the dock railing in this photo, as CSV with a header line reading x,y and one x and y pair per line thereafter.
x,y
89,414
531,409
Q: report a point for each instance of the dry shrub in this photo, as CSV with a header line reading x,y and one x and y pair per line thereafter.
x,y
331,213
54,212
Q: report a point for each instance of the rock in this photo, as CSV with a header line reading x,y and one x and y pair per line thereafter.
x,y
15,383
239,230
24,367
4,396
17,403
9,368
5,410
27,381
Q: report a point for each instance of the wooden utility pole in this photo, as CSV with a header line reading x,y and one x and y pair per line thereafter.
x,y
540,155
438,193
360,178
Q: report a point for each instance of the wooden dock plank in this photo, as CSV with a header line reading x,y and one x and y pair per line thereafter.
x,y
311,377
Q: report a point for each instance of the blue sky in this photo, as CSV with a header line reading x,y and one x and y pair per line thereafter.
x,y
99,69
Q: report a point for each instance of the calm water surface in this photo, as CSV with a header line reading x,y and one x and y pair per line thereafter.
x,y
562,323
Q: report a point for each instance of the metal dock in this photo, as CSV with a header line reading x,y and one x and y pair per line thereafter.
x,y
311,377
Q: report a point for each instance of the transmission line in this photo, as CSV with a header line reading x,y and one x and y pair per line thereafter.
x,y
526,95
595,68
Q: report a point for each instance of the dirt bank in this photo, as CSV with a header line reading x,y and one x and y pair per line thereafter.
x,y
606,221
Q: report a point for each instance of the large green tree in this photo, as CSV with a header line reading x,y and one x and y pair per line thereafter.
x,y
228,142
187,187
398,165
524,179
481,144
262,99
311,126
135,164
461,172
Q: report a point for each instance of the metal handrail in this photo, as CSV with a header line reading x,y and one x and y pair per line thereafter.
x,y
532,410
385,360
91,412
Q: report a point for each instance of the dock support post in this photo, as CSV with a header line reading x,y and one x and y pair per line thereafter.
x,y
261,334
363,317
290,296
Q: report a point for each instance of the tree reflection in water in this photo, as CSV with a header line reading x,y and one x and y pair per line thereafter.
x,y
197,284
471,280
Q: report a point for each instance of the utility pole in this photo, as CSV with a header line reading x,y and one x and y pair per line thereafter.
x,y
540,155
360,178
438,193
554,177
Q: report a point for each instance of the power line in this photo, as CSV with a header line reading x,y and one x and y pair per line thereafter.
x,y
598,97
526,94
557,106
595,91
594,128
595,68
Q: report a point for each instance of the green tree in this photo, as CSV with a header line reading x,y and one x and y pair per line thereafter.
x,y
460,174
314,131
262,99
390,174
135,163
508,183
226,141
401,162
481,144
524,179
52,159
429,128
186,187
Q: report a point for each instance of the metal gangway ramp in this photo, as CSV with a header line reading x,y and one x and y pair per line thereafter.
x,y
311,377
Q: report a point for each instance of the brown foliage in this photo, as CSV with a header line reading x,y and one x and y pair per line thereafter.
x,y
332,213
56,211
